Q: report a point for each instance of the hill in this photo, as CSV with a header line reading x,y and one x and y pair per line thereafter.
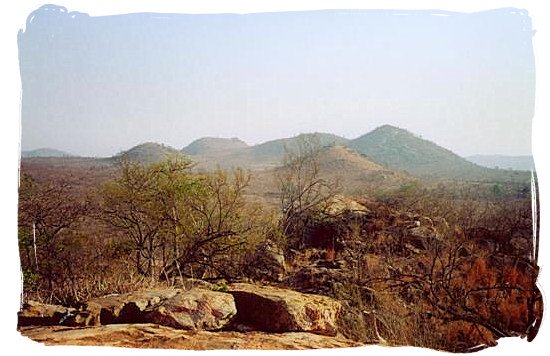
x,y
262,156
274,151
44,152
391,148
343,159
355,174
517,163
213,145
146,153
400,149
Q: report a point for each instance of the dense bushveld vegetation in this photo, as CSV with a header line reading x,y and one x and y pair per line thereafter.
x,y
149,223
450,265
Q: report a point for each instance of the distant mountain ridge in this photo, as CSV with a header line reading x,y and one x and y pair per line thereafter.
x,y
390,147
358,173
44,152
521,163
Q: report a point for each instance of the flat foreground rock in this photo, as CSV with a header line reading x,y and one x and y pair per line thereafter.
x,y
157,336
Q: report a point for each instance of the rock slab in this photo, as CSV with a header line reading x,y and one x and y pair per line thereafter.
x,y
156,336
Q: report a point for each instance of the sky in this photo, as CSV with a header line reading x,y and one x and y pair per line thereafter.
x,y
94,86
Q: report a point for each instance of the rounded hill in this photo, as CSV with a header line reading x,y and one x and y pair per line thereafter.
x,y
210,145
149,152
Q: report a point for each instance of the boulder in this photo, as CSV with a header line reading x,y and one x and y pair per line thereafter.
x,y
421,231
178,308
271,309
419,237
195,309
268,262
35,313
316,279
339,205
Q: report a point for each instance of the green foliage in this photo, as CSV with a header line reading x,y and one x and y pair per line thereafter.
x,y
216,228
410,189
142,202
180,223
220,286
497,190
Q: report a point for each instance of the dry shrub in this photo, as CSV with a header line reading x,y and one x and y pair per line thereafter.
x,y
461,336
356,320
86,272
380,316
514,307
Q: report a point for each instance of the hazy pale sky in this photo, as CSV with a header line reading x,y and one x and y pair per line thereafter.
x,y
98,85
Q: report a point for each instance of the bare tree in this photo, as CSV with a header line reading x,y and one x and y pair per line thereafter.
x,y
140,203
304,194
46,212
213,222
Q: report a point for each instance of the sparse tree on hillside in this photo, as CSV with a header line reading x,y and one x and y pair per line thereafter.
x,y
216,223
140,203
303,192
180,223
46,212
